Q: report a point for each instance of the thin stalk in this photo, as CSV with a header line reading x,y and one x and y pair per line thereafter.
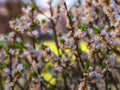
x,y
94,63
79,53
57,45
34,46
69,18
1,84
65,82
54,30
71,23
11,77
114,81
18,84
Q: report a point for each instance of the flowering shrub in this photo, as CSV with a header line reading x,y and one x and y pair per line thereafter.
x,y
23,63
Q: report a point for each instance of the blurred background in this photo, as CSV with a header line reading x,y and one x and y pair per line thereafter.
x,y
9,9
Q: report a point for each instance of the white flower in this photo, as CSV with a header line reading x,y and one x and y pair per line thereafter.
x,y
28,10
47,49
67,43
96,3
98,46
100,83
36,53
20,67
97,78
103,32
2,37
111,60
7,71
12,24
18,39
28,46
28,24
12,51
79,34
95,74
10,36
35,33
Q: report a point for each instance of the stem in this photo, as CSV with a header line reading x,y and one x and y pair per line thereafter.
x,y
79,53
11,78
33,38
106,84
57,45
114,81
94,86
69,18
76,40
65,82
94,65
33,41
54,30
78,63
55,36
1,85
18,84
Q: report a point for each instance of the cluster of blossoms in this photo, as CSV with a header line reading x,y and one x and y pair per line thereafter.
x,y
24,63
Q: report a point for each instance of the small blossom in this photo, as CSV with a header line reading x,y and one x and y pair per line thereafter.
x,y
79,34
95,74
12,51
18,39
7,71
20,67
10,36
35,33
29,47
111,60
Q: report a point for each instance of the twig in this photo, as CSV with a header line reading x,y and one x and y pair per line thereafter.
x,y
10,75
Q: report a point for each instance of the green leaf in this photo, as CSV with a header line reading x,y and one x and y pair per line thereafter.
x,y
43,21
34,74
49,66
58,6
7,63
39,42
7,51
86,70
65,73
62,40
80,50
34,7
35,24
10,45
24,4
67,28
27,65
43,46
96,31
71,15
77,6
97,51
84,28
1,44
104,56
21,50
110,28
1,67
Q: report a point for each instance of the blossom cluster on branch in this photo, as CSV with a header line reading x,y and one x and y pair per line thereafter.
x,y
24,63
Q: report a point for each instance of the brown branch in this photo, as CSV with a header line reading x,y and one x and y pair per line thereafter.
x,y
10,75
76,40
